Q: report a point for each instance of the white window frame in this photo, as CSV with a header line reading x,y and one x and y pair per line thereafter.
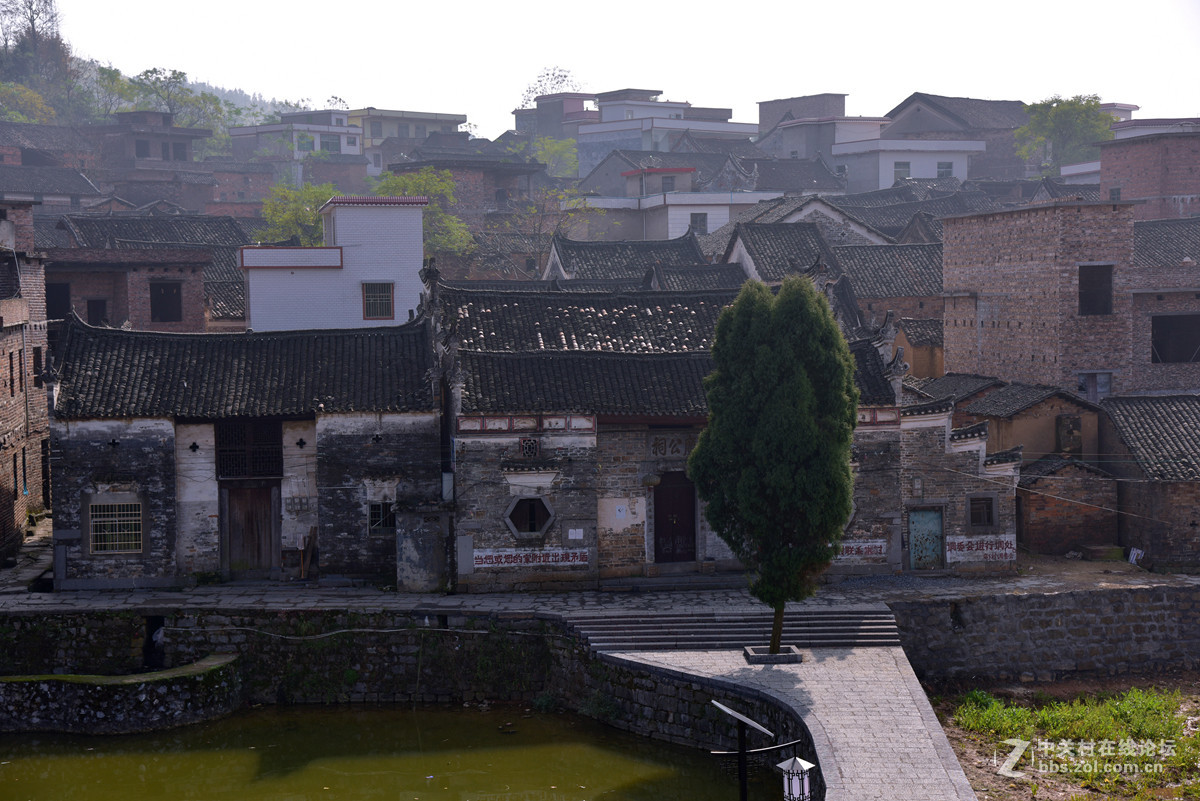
x,y
119,517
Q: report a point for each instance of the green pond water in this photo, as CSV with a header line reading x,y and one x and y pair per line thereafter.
x,y
339,754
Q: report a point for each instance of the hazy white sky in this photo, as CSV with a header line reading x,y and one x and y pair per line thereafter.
x,y
476,58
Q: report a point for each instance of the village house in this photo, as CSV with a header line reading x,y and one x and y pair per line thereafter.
x,y
24,425
386,132
267,455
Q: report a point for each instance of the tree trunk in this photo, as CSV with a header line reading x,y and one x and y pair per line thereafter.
x,y
777,629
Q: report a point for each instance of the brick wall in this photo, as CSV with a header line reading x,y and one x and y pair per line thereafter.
x,y
1071,508
994,324
1163,170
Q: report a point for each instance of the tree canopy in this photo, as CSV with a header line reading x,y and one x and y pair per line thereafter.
x,y
292,212
550,80
773,463
1064,131
444,232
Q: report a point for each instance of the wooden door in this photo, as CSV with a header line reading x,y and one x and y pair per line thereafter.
x,y
250,519
675,519
926,540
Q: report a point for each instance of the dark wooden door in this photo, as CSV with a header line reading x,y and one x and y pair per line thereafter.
x,y
250,518
675,519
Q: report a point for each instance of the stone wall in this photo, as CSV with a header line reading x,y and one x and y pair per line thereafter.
x,y
209,689
1075,507
1052,637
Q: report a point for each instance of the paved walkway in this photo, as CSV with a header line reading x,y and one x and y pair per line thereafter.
x,y
875,734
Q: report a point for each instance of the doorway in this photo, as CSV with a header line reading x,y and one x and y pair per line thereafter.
x,y
250,529
675,519
926,539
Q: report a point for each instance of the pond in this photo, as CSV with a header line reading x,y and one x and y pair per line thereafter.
x,y
342,753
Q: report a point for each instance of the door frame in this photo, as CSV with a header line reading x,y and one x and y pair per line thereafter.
x,y
695,520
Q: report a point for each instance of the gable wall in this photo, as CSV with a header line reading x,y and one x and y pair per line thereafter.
x,y
1069,509
1164,171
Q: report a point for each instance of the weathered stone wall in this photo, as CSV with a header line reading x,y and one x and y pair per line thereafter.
x,y
1074,507
1051,637
209,689
89,468
1162,518
361,459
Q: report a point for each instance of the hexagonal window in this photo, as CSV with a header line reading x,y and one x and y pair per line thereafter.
x,y
529,518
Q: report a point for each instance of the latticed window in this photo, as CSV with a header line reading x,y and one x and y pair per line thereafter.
x,y
249,449
377,302
116,527
381,518
983,512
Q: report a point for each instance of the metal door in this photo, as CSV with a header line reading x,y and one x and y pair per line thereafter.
x,y
675,519
926,540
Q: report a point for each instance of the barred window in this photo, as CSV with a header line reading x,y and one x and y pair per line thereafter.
x,y
377,302
983,512
381,518
116,527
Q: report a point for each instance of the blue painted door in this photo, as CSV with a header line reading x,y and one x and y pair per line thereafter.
x,y
926,540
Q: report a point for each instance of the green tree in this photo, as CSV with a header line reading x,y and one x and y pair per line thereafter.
x,y
559,155
444,232
111,91
1063,131
293,212
551,80
21,104
773,463
161,89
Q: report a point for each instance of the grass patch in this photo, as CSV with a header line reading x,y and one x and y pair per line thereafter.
x,y
1122,745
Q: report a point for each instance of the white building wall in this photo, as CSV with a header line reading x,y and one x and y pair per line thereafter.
x,y
380,244
197,501
298,490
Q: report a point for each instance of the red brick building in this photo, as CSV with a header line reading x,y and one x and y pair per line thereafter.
x,y
24,424
1162,170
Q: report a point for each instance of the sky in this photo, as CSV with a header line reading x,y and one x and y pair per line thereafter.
x,y
477,58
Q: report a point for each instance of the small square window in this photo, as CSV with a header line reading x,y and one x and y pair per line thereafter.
x,y
1095,289
901,169
699,223
530,448
377,302
983,512
115,527
166,302
668,183
945,169
141,148
381,519
351,141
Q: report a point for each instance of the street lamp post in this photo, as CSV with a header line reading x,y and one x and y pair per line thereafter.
x,y
795,779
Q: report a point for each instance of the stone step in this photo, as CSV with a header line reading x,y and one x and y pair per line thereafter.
x,y
833,629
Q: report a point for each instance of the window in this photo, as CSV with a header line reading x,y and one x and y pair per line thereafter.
x,y
21,370
402,131
97,311
115,527
530,448
141,148
376,129
166,303
381,519
24,474
1114,194
421,131
179,151
37,367
982,511
249,449
795,154
331,143
377,302
901,169
1175,339
699,223
1095,289
12,376
945,169
166,151
668,183
1095,386
351,141
339,121
377,160
304,142
529,517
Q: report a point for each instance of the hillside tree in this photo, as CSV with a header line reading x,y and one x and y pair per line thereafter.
x,y
1064,131
292,212
773,463
444,232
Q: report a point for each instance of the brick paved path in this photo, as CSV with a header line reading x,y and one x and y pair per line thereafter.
x,y
875,733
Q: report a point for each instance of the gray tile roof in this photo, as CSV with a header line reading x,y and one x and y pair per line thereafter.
x,y
922,333
659,384
1166,243
890,271
783,249
1162,433
47,138
110,373
893,218
701,276
955,386
16,180
1015,398
608,260
1052,464
792,175
971,113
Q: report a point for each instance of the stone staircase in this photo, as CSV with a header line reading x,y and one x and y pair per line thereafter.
x,y
842,628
